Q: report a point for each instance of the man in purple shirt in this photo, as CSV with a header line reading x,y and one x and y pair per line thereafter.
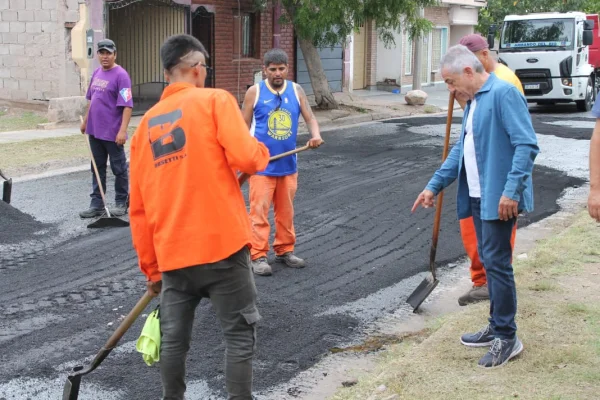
x,y
109,111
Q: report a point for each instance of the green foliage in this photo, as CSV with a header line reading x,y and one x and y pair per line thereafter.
x,y
496,10
328,22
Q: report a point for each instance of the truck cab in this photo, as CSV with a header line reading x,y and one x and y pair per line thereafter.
x,y
550,54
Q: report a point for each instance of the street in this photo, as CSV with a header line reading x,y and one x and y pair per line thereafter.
x,y
64,288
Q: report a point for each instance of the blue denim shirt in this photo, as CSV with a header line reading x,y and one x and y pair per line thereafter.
x,y
505,149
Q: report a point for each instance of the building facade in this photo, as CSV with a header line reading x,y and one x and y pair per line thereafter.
x,y
375,65
47,48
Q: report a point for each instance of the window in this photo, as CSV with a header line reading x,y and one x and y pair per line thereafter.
x,y
408,56
246,35
439,45
552,32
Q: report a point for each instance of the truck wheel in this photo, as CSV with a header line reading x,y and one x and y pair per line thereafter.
x,y
588,103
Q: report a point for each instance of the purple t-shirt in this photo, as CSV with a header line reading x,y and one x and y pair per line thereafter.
x,y
109,92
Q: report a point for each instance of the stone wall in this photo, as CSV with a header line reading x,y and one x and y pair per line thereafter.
x,y
35,55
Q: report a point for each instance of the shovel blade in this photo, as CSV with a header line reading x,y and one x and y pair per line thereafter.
x,y
6,191
71,390
422,292
109,222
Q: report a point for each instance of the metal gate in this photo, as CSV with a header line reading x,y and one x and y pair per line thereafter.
x,y
139,28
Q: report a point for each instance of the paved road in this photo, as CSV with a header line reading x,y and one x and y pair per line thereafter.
x,y
63,289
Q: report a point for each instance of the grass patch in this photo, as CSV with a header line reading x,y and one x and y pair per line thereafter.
x,y
429,109
18,155
560,330
543,286
20,121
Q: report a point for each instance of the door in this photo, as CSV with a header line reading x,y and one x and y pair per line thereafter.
x,y
203,29
359,46
332,61
139,28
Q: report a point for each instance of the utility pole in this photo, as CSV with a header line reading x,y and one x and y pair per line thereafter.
x,y
417,64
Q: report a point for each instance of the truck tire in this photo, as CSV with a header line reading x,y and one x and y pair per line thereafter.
x,y
588,103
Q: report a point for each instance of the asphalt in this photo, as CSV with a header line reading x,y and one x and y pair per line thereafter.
x,y
64,290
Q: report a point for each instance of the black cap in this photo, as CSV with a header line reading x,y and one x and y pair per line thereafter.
x,y
107,44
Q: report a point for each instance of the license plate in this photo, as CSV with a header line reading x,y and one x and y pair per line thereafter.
x,y
532,86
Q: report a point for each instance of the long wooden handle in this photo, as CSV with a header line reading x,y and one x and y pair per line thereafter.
x,y
243,177
87,138
128,321
440,197
121,329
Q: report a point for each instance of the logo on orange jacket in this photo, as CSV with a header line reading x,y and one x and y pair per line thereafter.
x,y
171,137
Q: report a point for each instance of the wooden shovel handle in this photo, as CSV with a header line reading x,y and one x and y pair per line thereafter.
x,y
117,335
440,197
243,177
128,321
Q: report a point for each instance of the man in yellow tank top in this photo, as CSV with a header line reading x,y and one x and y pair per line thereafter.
x,y
478,45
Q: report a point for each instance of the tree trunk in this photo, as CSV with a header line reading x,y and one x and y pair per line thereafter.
x,y
323,96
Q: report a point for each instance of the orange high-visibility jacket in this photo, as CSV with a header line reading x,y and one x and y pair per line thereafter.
x,y
186,206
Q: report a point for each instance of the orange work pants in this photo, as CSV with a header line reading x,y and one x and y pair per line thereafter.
x,y
279,191
469,238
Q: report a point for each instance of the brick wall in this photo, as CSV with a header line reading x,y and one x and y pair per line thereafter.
x,y
440,18
228,69
371,56
34,49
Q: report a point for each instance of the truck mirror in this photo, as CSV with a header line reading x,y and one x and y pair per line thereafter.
x,y
490,40
588,38
588,24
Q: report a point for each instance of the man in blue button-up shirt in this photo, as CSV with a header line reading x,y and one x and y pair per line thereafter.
x,y
493,162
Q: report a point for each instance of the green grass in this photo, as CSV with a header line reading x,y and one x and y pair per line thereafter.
x,y
559,324
20,121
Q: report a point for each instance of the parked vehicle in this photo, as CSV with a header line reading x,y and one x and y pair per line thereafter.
x,y
555,55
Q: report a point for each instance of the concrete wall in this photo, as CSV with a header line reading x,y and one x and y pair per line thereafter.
x,y
389,60
458,31
35,57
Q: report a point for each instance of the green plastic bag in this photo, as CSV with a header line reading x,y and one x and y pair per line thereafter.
x,y
149,341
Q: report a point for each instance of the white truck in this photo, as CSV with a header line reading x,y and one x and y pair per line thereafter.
x,y
555,55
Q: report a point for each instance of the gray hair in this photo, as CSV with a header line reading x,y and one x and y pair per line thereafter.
x,y
458,57
275,56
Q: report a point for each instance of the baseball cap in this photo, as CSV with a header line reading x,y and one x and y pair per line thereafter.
x,y
474,42
107,44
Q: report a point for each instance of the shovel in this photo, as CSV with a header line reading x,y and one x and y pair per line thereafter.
x,y
6,188
243,177
71,391
428,284
107,221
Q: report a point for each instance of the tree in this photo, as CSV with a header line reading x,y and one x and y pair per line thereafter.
x,y
496,10
325,23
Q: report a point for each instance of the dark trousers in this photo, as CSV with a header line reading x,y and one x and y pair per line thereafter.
x,y
102,150
495,250
230,286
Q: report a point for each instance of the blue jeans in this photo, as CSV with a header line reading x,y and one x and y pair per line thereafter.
x,y
102,150
495,251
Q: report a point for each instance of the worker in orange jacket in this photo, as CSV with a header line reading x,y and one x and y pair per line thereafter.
x,y
479,291
188,216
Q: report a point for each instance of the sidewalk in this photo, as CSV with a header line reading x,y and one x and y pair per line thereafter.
x,y
357,107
